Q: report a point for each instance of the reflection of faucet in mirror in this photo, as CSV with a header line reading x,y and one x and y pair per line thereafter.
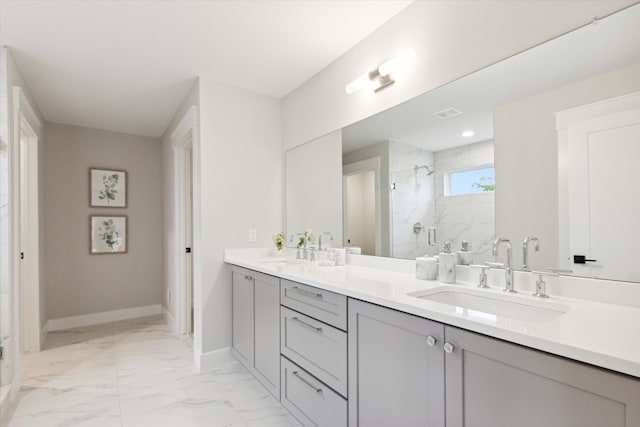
x,y
305,238
320,239
507,267
525,251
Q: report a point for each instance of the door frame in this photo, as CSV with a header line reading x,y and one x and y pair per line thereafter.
x,y
26,299
363,166
186,134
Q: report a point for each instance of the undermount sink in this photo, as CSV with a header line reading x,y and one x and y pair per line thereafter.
x,y
484,303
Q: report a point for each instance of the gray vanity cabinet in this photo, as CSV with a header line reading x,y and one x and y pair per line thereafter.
x,y
396,368
242,303
493,383
470,380
256,325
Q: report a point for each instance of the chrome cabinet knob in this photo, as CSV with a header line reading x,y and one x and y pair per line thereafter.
x,y
431,341
448,347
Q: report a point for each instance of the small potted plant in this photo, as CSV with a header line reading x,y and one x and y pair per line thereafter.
x,y
279,240
307,238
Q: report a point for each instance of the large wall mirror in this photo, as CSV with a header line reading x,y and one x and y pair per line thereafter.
x,y
487,155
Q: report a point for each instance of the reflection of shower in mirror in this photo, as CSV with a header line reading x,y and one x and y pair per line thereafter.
x,y
430,171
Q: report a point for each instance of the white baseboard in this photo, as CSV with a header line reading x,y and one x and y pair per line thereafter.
x,y
103,317
43,333
168,317
213,359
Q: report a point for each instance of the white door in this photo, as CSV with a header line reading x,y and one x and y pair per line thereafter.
x,y
604,198
189,235
361,214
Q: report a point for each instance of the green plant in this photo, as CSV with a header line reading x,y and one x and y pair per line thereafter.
x,y
308,237
279,240
110,182
486,184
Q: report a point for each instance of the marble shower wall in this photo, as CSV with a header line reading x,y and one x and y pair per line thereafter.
x,y
412,200
468,217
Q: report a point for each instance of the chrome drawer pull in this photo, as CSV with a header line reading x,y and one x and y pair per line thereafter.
x,y
306,293
317,390
306,325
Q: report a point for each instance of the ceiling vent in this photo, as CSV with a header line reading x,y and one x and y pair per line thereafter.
x,y
447,113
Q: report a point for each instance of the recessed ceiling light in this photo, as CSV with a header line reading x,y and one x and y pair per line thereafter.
x,y
468,133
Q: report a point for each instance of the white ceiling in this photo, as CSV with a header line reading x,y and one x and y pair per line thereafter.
x,y
127,65
612,43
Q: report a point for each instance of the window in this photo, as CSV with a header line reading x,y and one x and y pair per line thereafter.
x,y
470,181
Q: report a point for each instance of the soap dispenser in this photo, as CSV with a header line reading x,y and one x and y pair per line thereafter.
x,y
447,264
464,256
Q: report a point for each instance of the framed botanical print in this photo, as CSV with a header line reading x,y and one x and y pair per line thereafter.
x,y
108,188
108,234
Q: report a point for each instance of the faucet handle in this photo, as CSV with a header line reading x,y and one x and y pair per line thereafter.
x,y
541,285
482,278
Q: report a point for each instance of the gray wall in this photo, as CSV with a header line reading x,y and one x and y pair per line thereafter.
x,y
526,160
241,179
77,282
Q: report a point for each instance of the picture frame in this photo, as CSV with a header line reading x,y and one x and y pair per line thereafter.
x,y
107,188
108,234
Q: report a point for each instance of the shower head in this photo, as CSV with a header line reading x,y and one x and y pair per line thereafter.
x,y
429,170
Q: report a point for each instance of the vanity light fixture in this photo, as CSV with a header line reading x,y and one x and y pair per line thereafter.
x,y
468,133
380,77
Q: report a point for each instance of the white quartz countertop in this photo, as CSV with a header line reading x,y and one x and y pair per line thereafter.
x,y
605,335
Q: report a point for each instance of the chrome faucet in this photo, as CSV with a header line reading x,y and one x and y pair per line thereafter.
x,y
307,253
507,267
320,248
525,251
301,252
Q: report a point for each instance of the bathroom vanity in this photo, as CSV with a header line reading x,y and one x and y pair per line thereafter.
x,y
361,346
546,140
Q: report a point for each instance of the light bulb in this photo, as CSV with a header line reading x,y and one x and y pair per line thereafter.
x,y
359,83
468,133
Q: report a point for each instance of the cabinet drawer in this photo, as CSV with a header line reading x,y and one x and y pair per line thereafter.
x,y
310,401
323,305
319,348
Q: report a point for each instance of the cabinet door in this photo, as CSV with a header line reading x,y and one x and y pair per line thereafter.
x,y
396,378
242,296
266,326
493,383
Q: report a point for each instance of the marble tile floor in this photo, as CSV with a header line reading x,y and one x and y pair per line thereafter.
x,y
137,373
